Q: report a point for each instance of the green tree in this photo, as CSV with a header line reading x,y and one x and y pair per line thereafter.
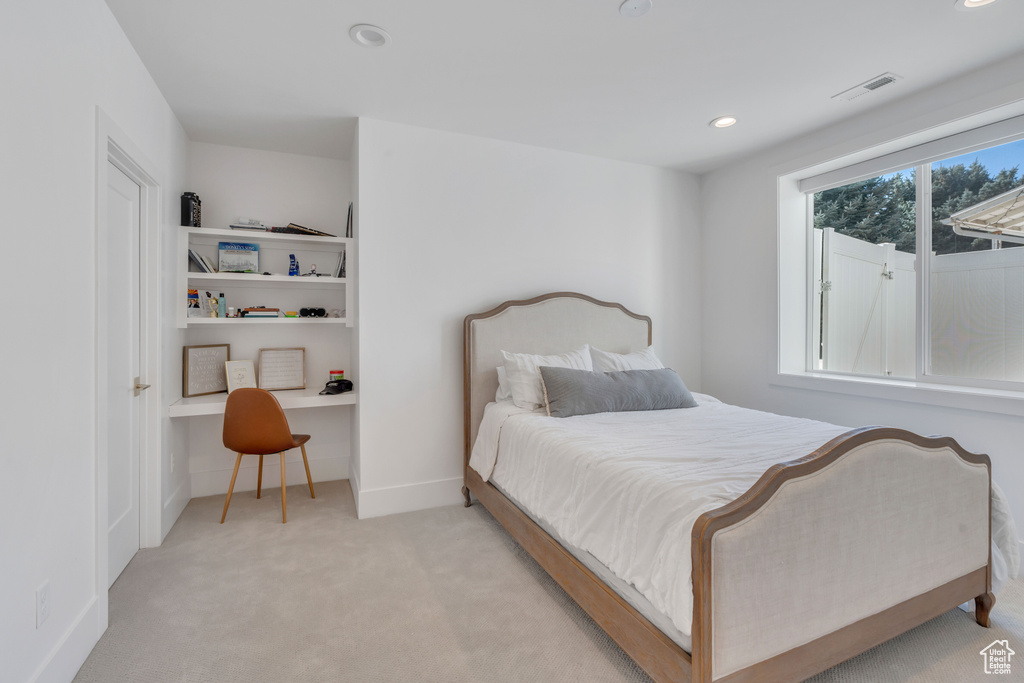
x,y
875,210
881,209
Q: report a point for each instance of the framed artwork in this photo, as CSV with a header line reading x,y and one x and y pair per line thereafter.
x,y
240,375
282,369
202,369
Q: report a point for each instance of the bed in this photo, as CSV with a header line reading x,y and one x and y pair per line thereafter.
x,y
758,611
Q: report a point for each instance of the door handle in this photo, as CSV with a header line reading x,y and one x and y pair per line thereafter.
x,y
139,387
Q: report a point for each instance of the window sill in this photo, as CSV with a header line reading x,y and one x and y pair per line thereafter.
x,y
908,391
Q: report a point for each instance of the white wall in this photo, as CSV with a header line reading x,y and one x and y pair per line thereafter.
x,y
740,302
278,189
61,60
451,225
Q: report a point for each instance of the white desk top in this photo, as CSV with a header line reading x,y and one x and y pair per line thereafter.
x,y
213,404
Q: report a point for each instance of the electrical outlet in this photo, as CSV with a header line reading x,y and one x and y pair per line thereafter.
x,y
42,604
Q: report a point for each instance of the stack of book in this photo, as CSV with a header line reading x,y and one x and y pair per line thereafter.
x,y
261,312
201,262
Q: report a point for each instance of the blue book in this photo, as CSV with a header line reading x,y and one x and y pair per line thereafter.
x,y
238,257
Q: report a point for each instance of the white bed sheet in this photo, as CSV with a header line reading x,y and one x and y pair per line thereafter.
x,y
628,487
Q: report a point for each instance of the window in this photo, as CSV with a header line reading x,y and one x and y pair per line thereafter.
x,y
943,234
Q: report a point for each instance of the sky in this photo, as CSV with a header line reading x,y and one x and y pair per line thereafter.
x,y
994,159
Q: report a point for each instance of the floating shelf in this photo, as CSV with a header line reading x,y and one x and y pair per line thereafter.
x,y
306,241
213,404
257,280
266,321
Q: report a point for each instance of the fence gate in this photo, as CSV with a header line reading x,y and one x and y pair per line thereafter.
x,y
864,306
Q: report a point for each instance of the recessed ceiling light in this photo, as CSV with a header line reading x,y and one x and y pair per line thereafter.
x,y
971,4
634,8
369,36
723,122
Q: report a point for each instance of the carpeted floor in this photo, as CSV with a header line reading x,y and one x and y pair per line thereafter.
x,y
439,595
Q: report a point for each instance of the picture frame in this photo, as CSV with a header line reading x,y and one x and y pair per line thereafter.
x,y
238,257
240,375
202,369
282,368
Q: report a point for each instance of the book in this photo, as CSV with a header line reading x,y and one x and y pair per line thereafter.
x,y
293,229
197,261
197,304
261,312
238,257
348,223
340,270
247,224
209,264
192,309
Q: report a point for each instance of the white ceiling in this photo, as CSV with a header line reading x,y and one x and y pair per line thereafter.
x,y
283,75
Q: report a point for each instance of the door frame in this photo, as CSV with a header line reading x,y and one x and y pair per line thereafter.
x,y
115,147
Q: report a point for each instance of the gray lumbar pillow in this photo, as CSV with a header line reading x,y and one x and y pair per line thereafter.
x,y
571,392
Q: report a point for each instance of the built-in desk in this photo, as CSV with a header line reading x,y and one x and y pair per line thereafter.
x,y
213,404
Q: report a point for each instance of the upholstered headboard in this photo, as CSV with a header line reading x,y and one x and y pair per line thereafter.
x,y
547,324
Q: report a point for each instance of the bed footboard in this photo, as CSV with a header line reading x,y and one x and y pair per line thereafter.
x,y
876,532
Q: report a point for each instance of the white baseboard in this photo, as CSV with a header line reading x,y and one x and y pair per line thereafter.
x,y
216,482
70,653
173,508
395,499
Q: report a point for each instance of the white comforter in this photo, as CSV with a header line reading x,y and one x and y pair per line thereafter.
x,y
628,487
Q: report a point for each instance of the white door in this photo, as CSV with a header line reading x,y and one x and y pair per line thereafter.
x,y
121,245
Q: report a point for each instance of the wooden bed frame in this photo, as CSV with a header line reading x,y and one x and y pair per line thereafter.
x,y
655,652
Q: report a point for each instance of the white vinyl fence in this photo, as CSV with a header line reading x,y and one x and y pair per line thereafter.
x,y
978,314
864,310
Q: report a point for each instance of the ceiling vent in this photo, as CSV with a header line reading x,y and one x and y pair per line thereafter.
x,y
864,88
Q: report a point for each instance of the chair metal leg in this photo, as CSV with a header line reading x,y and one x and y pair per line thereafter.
x,y
259,479
231,487
309,477
284,500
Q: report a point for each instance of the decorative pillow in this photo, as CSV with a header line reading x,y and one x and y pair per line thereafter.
x,y
524,377
605,361
503,393
569,392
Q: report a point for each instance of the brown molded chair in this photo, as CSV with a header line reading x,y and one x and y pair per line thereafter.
x,y
254,424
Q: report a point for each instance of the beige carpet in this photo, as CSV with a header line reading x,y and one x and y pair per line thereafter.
x,y
440,595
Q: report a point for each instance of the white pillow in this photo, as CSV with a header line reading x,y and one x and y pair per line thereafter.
x,y
524,377
605,361
503,393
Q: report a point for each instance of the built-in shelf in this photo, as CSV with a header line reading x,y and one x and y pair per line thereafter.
x,y
288,293
213,404
258,280
283,239
266,321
